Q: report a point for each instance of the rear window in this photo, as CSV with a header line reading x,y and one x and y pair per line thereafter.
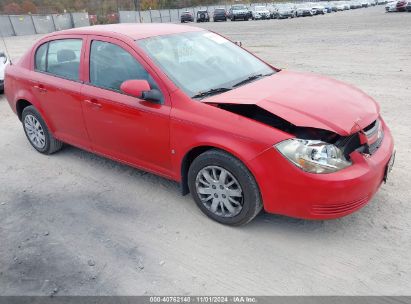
x,y
60,58
63,58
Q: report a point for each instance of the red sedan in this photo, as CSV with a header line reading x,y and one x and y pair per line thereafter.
x,y
190,105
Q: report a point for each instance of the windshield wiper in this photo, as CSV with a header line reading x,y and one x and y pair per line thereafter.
x,y
250,78
210,92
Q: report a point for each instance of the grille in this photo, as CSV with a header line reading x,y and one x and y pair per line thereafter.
x,y
335,209
374,135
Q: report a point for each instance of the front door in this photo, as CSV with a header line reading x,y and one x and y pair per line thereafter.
x,y
120,126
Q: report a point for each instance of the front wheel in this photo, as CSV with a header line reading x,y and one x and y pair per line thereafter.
x,y
38,133
223,188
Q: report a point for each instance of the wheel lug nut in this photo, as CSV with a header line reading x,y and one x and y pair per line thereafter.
x,y
221,187
214,187
215,195
223,196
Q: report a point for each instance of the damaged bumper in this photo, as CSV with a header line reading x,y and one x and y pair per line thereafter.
x,y
320,196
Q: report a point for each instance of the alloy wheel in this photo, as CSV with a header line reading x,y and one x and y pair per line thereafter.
x,y
219,191
34,131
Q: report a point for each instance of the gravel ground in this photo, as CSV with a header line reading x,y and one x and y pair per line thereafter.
x,y
78,224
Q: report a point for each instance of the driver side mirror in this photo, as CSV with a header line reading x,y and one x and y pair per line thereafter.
x,y
141,89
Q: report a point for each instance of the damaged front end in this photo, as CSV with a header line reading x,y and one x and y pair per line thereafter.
x,y
314,150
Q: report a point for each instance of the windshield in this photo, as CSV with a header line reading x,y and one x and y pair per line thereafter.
x,y
239,7
201,61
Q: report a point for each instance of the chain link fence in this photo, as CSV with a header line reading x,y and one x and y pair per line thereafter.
x,y
19,25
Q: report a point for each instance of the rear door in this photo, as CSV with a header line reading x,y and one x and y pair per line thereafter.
x,y
121,126
57,85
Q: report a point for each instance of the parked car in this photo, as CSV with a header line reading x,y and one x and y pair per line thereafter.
x,y
203,16
408,7
364,3
283,12
260,12
220,14
187,17
239,12
303,11
401,5
340,7
391,7
4,61
334,6
328,7
347,6
238,141
355,5
318,10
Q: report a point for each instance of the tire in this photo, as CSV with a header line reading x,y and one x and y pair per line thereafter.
x,y
51,144
246,207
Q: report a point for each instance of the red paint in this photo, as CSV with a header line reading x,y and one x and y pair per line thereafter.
x,y
135,87
157,137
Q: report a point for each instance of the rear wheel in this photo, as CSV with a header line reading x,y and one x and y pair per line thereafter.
x,y
38,133
223,188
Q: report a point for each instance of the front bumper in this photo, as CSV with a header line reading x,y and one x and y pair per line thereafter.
x,y
240,16
262,16
288,190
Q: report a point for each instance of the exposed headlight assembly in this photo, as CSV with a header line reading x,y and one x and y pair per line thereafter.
x,y
314,156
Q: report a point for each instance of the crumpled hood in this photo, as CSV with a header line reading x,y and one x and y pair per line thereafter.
x,y
307,100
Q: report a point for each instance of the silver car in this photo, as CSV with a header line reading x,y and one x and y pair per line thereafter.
x,y
4,61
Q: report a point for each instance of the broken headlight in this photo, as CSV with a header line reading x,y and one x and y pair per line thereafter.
x,y
314,156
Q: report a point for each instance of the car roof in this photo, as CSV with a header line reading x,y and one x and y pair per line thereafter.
x,y
132,30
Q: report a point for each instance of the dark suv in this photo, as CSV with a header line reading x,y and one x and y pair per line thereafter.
x,y
220,14
187,17
239,12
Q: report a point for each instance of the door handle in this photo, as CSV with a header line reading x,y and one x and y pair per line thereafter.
x,y
93,103
40,88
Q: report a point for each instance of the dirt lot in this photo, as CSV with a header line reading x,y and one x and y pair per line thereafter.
x,y
74,223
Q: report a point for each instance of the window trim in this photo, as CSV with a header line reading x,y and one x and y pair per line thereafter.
x,y
35,57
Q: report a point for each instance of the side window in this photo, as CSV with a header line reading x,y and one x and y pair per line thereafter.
x,y
111,65
63,58
40,57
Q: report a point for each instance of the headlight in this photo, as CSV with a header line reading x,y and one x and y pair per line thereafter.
x,y
313,156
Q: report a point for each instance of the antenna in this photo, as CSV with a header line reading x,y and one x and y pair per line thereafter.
x,y
5,46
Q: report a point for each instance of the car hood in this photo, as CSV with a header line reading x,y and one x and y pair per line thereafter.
x,y
307,100
240,11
